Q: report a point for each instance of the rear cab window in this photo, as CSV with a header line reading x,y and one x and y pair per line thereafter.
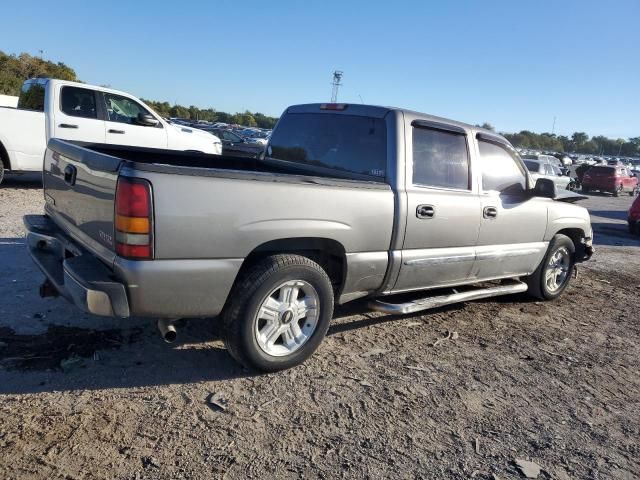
x,y
345,146
32,95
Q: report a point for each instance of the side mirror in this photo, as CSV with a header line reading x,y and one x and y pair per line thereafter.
x,y
147,120
544,188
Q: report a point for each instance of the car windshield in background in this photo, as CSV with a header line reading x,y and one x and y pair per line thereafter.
x,y
532,166
603,170
332,143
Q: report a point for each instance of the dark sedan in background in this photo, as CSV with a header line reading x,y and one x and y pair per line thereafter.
x,y
234,145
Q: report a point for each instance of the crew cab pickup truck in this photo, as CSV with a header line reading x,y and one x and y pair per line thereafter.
x,y
76,111
348,201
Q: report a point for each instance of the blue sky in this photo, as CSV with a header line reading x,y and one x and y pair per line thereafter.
x,y
515,64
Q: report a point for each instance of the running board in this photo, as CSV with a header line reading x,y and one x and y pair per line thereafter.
x,y
435,302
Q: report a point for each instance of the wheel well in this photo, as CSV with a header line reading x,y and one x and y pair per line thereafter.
x,y
327,253
4,157
576,235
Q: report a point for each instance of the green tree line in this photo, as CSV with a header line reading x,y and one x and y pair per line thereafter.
x,y
15,69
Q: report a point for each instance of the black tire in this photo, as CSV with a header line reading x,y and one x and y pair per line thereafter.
x,y
632,227
538,287
631,192
1,172
251,289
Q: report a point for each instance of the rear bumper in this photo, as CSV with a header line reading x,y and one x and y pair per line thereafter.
x,y
158,288
74,273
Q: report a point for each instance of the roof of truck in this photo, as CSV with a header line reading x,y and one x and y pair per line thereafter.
x,y
381,111
81,85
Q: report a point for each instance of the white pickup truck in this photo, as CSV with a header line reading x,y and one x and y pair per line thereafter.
x,y
50,108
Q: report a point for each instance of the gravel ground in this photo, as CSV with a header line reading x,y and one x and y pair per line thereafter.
x,y
554,383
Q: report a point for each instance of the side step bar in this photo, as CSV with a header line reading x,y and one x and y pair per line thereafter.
x,y
439,301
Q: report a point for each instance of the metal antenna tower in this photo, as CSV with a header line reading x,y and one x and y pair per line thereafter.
x,y
337,77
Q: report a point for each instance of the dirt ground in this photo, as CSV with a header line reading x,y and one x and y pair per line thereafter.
x,y
554,383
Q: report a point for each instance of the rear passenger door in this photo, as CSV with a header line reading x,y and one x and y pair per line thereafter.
x,y
77,117
513,222
443,214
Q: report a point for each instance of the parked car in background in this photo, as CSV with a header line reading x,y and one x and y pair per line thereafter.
x,y
608,178
634,217
550,159
76,111
344,205
542,169
234,145
254,135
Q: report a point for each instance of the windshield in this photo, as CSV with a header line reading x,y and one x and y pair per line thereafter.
x,y
532,166
332,143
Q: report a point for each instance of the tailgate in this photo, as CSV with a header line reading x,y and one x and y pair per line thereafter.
x,y
79,190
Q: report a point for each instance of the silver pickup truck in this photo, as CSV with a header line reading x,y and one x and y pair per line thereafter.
x,y
347,201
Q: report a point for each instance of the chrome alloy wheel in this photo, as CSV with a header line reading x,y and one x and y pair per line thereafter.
x,y
557,271
287,318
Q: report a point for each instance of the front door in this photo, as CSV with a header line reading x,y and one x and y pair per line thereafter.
x,y
122,124
513,223
76,117
443,216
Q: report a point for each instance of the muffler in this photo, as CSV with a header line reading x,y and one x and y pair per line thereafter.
x,y
167,329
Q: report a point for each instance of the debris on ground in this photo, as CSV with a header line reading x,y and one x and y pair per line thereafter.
x,y
449,336
216,403
529,469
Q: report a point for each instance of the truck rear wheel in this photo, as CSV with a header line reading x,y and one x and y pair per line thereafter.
x,y
279,312
554,272
1,171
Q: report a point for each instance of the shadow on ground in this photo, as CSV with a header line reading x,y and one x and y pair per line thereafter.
x,y
26,181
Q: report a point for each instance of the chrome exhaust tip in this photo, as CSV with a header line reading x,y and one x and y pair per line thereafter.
x,y
167,330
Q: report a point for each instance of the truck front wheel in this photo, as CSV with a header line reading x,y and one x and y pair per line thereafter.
x,y
279,312
554,272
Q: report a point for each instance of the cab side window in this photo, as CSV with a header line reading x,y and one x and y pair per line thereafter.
x,y
501,169
78,102
122,109
440,159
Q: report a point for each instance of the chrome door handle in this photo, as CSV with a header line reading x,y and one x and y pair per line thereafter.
x,y
111,130
490,212
67,125
425,211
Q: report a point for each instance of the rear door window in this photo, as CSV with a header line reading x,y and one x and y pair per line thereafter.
x,y
440,159
343,145
78,102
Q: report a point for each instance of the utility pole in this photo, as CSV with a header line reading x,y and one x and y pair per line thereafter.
x,y
337,77
553,129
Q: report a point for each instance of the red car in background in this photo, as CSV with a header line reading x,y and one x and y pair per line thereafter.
x,y
634,217
609,178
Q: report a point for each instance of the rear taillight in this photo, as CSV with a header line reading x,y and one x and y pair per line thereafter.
x,y
134,219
